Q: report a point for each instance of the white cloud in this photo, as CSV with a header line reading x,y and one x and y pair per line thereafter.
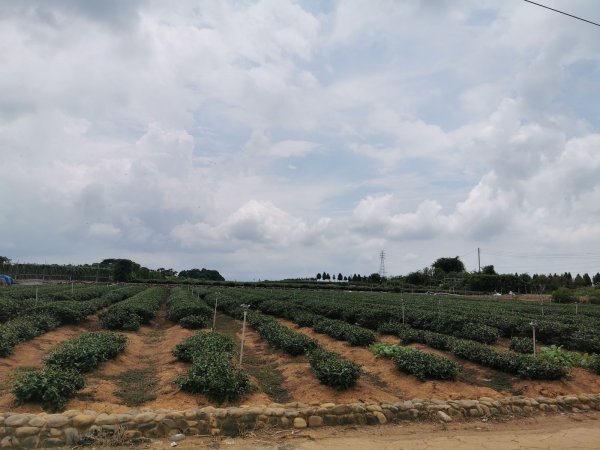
x,y
103,230
253,131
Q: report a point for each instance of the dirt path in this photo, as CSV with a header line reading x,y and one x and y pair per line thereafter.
x,y
543,433
143,375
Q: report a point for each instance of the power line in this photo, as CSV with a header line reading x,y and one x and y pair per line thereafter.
x,y
562,12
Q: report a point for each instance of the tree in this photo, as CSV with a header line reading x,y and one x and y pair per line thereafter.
x,y
596,278
122,269
318,276
375,278
417,278
4,260
340,276
204,274
449,265
578,281
587,280
324,276
489,270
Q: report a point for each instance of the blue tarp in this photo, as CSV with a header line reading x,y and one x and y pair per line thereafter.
x,y
8,279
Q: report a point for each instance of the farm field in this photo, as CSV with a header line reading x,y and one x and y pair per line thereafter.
x,y
300,346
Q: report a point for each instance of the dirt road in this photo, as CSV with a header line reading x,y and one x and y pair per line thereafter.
x,y
541,433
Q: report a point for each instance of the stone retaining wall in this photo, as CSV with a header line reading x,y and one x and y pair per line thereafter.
x,y
71,427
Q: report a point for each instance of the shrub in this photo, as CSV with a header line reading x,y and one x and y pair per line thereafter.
x,y
593,364
521,344
343,331
210,342
305,319
541,369
24,328
524,366
193,322
50,386
333,370
183,303
280,336
564,295
420,364
482,354
87,351
439,341
480,332
120,319
131,313
65,312
390,328
213,374
426,366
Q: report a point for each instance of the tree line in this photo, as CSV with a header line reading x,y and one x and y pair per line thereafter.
x,y
450,273
108,270
356,278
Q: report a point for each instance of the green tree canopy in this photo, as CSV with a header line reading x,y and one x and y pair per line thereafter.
x,y
202,274
488,270
449,265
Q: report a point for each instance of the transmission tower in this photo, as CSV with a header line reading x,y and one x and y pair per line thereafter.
x,y
382,264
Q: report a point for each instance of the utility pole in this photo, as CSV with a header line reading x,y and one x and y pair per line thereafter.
x,y
479,259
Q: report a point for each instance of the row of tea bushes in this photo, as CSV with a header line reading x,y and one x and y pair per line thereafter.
x,y
330,368
62,375
135,311
424,366
337,329
187,309
19,301
44,318
525,366
212,372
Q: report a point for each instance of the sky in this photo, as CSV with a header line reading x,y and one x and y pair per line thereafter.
x,y
276,138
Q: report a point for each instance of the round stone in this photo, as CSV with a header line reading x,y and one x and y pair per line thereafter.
x,y
56,420
315,421
299,422
82,420
26,431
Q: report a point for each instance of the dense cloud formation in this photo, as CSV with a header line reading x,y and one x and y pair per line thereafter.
x,y
279,138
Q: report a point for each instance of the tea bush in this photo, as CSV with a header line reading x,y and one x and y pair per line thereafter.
x,y
50,386
333,370
521,344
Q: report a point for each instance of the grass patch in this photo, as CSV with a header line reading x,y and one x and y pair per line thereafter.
x,y
136,386
154,336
